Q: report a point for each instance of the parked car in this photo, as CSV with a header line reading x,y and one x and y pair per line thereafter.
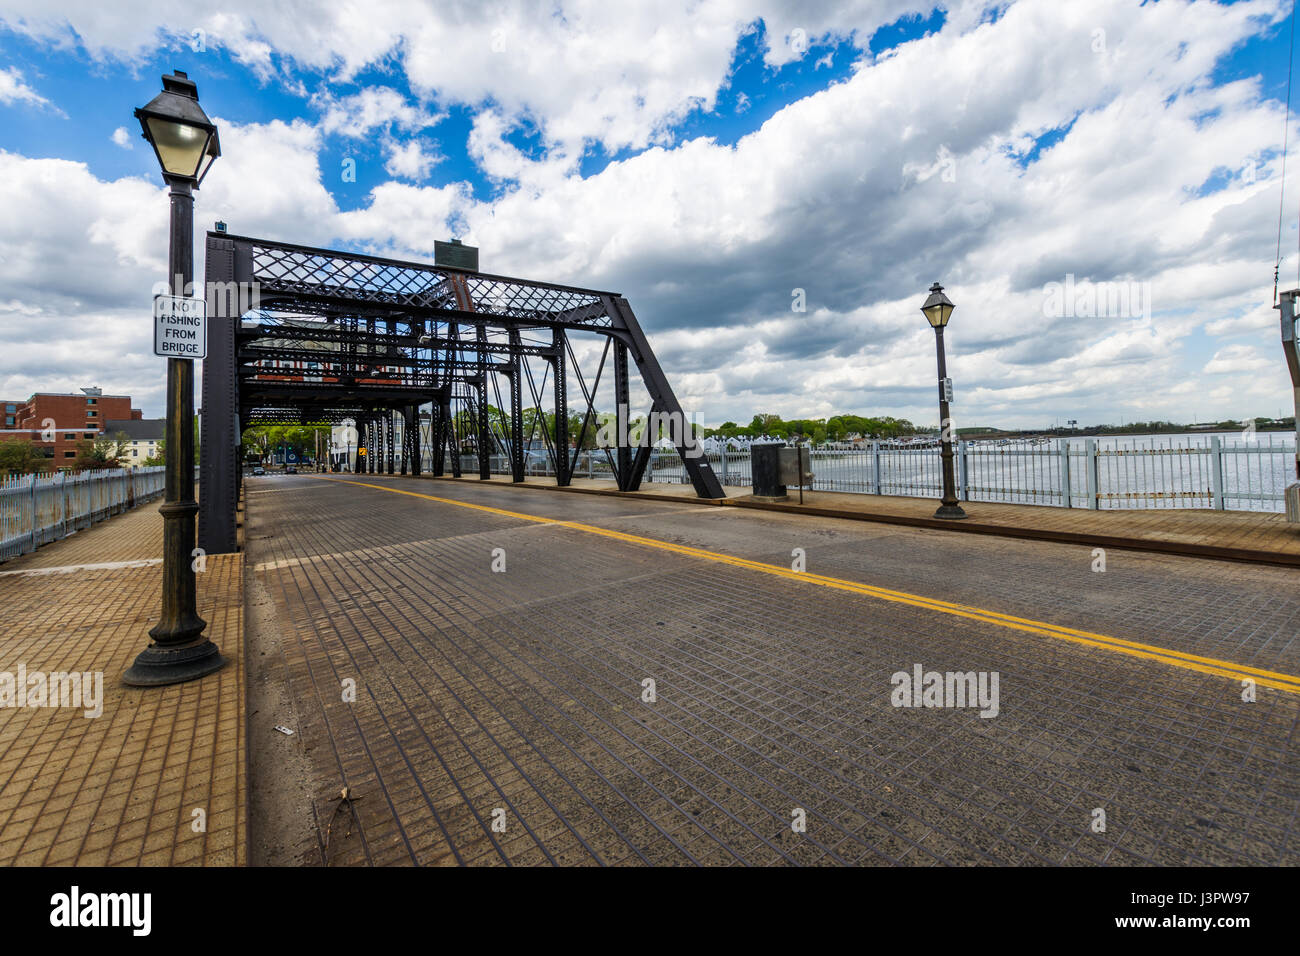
x,y
291,469
259,470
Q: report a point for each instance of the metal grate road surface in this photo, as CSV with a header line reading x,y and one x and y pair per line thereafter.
x,y
506,716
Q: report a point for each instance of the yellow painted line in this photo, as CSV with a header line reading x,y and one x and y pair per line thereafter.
x,y
1205,665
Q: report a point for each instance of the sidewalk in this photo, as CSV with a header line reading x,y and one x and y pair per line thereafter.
x,y
121,788
1231,535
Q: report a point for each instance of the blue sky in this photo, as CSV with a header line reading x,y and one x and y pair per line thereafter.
x,y
706,160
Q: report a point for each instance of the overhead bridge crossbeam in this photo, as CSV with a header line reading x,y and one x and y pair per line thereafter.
x,y
299,335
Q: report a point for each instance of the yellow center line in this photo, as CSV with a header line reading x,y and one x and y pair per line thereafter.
x,y
1205,665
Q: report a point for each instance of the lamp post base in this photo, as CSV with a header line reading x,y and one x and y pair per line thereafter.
x,y
157,666
951,512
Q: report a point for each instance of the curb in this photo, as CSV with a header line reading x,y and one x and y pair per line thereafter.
x,y
245,682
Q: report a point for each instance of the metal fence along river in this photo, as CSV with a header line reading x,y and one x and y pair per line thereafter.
x,y
1221,471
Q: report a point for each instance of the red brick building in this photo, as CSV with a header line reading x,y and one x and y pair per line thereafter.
x,y
57,421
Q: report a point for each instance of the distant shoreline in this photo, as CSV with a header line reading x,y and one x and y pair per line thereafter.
x,y
1119,431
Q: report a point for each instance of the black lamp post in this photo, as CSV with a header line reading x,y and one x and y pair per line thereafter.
x,y
938,308
185,142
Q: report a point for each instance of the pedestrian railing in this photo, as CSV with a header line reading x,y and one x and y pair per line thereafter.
x,y
38,509
1105,474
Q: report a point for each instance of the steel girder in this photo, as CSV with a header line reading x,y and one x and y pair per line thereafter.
x,y
299,335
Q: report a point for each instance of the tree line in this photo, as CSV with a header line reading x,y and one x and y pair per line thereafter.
x,y
817,430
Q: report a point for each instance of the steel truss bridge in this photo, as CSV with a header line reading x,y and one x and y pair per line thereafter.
x,y
334,336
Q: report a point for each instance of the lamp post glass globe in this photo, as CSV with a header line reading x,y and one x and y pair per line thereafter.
x,y
937,310
183,138
938,307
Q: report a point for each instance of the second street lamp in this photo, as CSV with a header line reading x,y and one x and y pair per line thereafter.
x,y
185,142
938,308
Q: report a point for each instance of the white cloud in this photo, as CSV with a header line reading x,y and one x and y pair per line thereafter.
x,y
122,138
583,70
377,107
409,160
269,182
79,258
1238,358
14,90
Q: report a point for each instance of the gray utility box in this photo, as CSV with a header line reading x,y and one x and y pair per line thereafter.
x,y
1293,503
776,467
796,466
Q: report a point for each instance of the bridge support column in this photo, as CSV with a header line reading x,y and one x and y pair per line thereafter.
x,y
413,438
390,440
623,452
484,426
437,439
516,408
562,476
220,455
453,444
405,452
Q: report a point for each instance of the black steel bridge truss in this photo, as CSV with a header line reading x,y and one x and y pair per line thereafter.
x,y
334,336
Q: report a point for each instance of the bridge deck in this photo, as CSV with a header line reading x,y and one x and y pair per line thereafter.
x,y
516,697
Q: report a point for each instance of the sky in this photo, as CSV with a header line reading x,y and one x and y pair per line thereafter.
x,y
773,185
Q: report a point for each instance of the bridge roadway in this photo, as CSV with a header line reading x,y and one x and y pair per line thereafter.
x,y
501,716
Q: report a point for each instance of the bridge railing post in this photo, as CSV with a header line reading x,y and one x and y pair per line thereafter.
x,y
1216,472
1066,496
961,470
1091,462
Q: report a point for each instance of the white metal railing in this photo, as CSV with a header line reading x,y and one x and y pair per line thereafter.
x,y
38,509
1180,471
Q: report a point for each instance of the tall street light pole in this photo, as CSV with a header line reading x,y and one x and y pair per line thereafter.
x,y
185,143
938,309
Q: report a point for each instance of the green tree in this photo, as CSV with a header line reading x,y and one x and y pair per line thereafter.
x,y
20,456
94,454
119,444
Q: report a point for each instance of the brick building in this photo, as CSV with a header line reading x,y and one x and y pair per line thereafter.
x,y
56,421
